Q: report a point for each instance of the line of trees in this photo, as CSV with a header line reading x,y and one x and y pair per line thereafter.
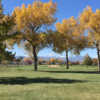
x,y
29,26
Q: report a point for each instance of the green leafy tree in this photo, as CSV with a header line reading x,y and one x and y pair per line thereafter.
x,y
6,25
6,55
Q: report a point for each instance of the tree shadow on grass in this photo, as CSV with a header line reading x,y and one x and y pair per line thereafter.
x,y
77,72
25,80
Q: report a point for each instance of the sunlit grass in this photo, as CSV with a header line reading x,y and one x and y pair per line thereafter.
x,y
22,83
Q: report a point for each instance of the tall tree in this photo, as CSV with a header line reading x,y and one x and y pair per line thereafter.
x,y
31,21
68,36
91,21
6,25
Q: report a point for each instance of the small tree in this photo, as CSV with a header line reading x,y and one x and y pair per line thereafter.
x,y
87,60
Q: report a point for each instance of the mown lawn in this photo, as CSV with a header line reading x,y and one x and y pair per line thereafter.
x,y
22,83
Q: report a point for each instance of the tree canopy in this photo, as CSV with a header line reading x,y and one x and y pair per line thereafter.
x,y
30,21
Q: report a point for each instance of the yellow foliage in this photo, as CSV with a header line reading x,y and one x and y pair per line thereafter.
x,y
30,19
66,26
91,21
38,13
85,16
70,34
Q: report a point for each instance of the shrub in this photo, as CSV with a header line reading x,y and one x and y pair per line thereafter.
x,y
60,61
95,61
42,62
75,63
4,62
52,61
27,61
87,60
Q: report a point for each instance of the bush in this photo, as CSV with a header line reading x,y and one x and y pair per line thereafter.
x,y
52,61
5,62
27,61
42,62
87,60
95,61
60,61
75,63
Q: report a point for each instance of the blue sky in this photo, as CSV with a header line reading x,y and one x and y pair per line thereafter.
x,y
65,9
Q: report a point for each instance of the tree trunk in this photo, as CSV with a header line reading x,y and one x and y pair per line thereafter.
x,y
35,59
98,53
67,61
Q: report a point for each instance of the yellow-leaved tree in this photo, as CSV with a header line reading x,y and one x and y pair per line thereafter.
x,y
69,36
91,21
30,21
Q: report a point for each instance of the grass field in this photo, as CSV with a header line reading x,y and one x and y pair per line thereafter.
x,y
22,83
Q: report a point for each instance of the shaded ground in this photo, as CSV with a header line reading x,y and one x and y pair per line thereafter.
x,y
25,80
80,72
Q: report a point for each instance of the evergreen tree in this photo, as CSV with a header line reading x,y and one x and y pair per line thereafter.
x,y
6,24
87,60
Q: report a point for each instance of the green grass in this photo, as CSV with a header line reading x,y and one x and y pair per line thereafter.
x,y
22,83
